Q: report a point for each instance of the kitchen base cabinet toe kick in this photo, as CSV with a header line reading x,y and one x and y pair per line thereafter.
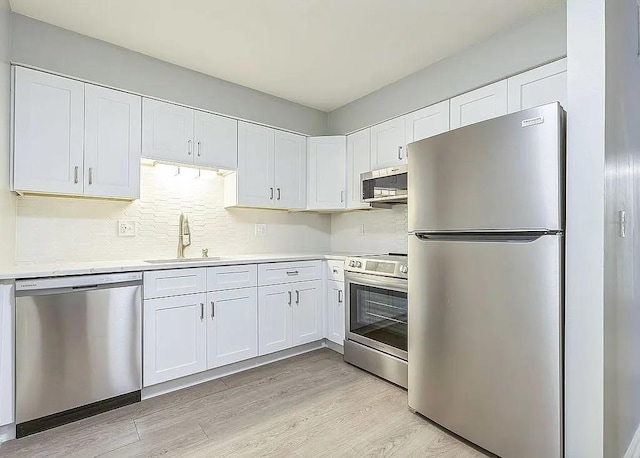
x,y
198,320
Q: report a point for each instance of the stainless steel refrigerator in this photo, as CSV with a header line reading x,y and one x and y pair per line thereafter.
x,y
486,261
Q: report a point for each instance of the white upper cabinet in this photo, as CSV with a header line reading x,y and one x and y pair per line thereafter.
x,y
112,143
48,133
539,86
358,162
427,122
290,170
167,131
327,164
388,143
256,162
479,105
216,141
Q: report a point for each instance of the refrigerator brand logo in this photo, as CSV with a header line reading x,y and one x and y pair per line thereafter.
x,y
533,121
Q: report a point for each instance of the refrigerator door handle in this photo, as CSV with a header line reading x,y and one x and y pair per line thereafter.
x,y
516,236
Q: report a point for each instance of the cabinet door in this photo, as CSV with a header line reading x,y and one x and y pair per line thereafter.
x,y
427,122
167,132
48,133
539,86
216,139
358,162
112,130
274,318
327,172
290,170
479,105
6,353
335,312
388,143
307,312
232,329
175,343
255,165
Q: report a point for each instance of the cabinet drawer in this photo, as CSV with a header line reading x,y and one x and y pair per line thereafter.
x,y
232,277
335,270
287,272
176,282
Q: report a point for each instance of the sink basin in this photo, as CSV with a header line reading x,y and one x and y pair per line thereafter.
x,y
171,261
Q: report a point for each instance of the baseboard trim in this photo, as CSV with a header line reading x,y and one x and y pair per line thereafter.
x,y
334,346
202,377
7,433
634,447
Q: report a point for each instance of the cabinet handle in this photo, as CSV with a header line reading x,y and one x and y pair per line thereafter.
x,y
270,193
213,310
90,175
292,273
297,297
400,152
340,296
189,147
289,298
341,196
199,149
201,311
75,174
278,189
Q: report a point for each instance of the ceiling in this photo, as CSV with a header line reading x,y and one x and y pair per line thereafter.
x,y
320,53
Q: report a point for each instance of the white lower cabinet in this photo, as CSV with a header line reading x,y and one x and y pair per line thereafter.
x,y
232,326
289,315
274,318
335,311
307,312
6,353
175,333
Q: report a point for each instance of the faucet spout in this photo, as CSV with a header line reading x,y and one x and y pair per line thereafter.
x,y
184,235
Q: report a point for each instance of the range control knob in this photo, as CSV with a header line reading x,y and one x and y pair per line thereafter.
x,y
404,269
358,264
352,263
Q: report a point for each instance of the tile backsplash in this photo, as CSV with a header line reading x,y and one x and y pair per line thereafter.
x,y
52,229
385,231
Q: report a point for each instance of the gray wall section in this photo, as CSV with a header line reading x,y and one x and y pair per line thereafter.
x,y
622,255
7,198
538,41
53,48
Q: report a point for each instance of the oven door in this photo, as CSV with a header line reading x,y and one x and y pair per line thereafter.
x,y
377,312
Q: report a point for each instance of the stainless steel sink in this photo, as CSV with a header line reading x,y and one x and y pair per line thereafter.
x,y
171,261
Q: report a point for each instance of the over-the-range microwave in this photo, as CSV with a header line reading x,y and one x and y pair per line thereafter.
x,y
387,186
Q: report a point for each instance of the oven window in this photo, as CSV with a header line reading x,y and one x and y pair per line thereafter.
x,y
379,314
393,185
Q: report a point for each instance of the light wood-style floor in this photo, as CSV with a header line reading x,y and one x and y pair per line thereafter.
x,y
312,405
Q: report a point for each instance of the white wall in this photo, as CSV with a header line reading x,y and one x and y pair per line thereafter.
x,y
585,229
62,229
7,200
52,48
530,44
385,231
622,255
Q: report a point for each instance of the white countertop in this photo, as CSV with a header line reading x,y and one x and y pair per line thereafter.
x,y
103,267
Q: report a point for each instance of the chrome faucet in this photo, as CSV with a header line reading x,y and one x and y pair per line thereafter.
x,y
184,235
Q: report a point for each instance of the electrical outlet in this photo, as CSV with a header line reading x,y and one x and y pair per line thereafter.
x,y
361,230
126,228
261,230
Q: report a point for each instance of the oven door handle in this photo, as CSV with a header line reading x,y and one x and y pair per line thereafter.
x,y
377,281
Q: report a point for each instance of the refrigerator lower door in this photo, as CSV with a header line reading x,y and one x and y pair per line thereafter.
x,y
485,341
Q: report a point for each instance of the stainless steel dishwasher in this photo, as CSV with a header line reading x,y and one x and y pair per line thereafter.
x,y
78,348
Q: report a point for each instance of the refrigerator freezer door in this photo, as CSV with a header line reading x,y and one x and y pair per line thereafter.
x,y
485,341
503,174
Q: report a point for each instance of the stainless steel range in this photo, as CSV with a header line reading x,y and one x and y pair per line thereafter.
x,y
376,293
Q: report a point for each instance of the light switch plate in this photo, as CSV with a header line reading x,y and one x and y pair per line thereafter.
x,y
261,230
126,228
